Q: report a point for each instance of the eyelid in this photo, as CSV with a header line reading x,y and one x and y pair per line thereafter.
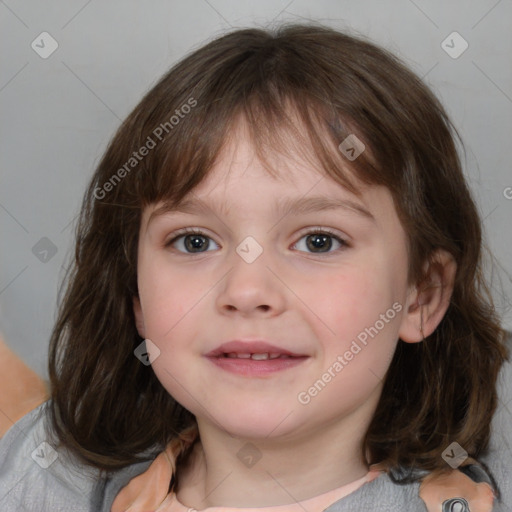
x,y
326,230
183,232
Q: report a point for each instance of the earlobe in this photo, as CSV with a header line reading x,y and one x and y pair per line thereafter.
x,y
430,299
139,317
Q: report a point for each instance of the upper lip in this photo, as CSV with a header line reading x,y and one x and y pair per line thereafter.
x,y
250,347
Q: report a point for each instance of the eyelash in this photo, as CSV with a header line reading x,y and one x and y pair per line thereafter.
x,y
312,231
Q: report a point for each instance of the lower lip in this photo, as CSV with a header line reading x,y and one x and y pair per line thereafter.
x,y
252,367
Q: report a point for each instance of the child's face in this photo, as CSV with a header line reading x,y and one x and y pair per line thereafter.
x,y
339,306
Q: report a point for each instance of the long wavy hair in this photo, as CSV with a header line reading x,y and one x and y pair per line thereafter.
x,y
319,85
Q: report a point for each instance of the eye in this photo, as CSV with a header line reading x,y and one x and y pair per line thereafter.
x,y
190,241
320,241
316,241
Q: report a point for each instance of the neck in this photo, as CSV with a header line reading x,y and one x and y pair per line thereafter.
x,y
282,470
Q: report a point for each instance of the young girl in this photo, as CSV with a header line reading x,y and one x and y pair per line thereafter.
x,y
277,300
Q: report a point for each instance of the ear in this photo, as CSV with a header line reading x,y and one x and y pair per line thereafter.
x,y
428,301
139,317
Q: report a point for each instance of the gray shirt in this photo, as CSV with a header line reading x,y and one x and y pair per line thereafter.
x,y
35,477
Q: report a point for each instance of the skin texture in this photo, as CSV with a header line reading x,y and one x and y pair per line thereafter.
x,y
309,303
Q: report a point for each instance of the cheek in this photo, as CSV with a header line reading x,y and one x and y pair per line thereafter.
x,y
351,299
360,317
167,295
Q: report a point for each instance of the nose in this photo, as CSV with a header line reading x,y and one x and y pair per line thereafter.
x,y
252,288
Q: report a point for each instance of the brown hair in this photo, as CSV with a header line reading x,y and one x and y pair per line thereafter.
x,y
108,407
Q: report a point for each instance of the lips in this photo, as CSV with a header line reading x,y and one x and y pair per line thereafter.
x,y
256,350
254,359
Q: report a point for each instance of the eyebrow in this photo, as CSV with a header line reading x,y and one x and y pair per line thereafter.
x,y
297,206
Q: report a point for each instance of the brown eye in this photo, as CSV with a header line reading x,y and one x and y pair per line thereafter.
x,y
320,242
195,243
191,242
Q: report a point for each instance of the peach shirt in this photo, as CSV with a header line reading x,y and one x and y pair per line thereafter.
x,y
315,504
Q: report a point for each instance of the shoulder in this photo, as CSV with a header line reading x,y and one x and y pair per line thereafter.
x,y
381,495
36,474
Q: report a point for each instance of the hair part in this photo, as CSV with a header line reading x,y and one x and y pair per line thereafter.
x,y
109,408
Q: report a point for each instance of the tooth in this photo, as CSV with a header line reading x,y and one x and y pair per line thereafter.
x,y
274,355
259,357
232,355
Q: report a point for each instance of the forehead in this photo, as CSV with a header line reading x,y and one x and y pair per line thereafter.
x,y
284,155
287,178
243,189
283,175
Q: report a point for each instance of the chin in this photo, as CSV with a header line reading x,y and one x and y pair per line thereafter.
x,y
256,423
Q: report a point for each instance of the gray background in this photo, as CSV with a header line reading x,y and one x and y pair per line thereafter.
x,y
58,113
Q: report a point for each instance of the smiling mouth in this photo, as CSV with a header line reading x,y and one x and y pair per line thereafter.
x,y
256,364
264,356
